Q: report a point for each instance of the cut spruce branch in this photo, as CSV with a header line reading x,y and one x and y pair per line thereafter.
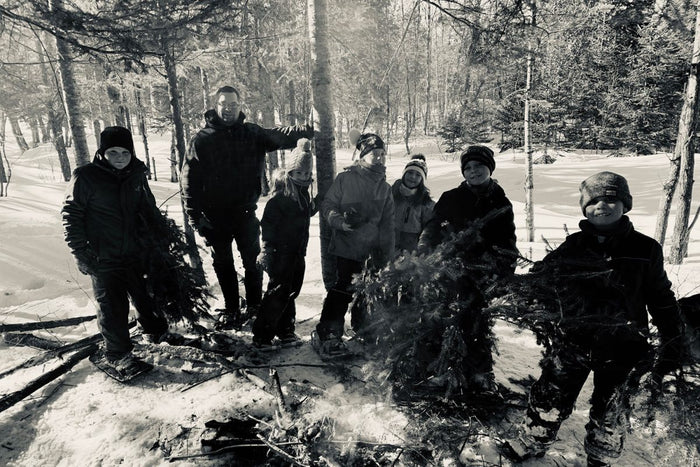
x,y
33,326
12,398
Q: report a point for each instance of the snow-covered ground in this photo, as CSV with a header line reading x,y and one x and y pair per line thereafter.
x,y
84,418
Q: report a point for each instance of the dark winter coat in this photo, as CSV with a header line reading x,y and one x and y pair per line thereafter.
x,y
361,197
285,223
608,312
223,172
458,208
107,211
412,213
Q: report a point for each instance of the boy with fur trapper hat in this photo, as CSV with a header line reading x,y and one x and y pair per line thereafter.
x,y
616,275
285,236
458,209
359,209
106,214
412,203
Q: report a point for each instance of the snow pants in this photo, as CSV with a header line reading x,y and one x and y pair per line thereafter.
x,y
277,310
245,230
112,290
552,399
337,300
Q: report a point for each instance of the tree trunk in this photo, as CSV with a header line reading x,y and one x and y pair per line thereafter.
x,y
141,116
292,116
204,78
268,114
667,192
3,174
685,151
72,98
34,125
59,143
17,131
179,145
426,118
323,108
529,179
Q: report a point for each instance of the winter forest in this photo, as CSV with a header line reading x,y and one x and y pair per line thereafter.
x,y
557,90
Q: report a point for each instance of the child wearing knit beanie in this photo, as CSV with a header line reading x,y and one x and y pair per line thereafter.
x,y
285,235
412,203
607,278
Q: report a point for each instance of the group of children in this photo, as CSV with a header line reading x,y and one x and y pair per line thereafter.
x,y
109,203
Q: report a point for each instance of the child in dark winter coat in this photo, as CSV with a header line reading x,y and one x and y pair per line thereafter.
x,y
614,275
457,210
106,212
359,209
285,235
412,204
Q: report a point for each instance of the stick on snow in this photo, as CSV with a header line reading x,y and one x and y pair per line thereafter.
x,y
45,324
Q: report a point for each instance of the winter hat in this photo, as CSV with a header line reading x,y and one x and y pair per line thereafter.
x,y
418,164
365,142
301,156
605,184
478,153
116,136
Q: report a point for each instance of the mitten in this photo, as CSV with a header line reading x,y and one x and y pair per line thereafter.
x,y
87,261
204,226
670,357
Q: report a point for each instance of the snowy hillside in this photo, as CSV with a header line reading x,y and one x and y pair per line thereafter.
x,y
84,418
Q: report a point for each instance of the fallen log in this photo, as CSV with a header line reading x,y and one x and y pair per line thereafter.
x,y
50,354
12,398
24,339
33,326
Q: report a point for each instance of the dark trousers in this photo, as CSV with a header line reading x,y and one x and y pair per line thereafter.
x,y
277,310
552,399
339,297
476,325
112,291
245,230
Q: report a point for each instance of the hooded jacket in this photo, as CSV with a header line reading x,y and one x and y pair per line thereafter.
x,y
107,212
361,197
222,174
458,208
412,213
614,282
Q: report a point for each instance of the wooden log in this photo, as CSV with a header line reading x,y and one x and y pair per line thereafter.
x,y
25,339
12,398
49,354
33,326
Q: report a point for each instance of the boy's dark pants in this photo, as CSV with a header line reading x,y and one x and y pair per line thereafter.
x,y
552,399
339,297
112,289
277,310
245,230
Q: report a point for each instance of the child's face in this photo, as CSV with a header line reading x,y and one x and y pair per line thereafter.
x,y
476,173
412,179
118,157
375,157
604,212
300,176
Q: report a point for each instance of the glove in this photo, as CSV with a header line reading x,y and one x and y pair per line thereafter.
x,y
353,218
265,259
670,357
87,261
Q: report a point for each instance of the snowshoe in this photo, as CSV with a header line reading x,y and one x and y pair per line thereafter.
x,y
123,370
331,348
264,346
290,340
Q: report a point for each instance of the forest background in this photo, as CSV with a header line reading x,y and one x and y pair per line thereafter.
x,y
584,74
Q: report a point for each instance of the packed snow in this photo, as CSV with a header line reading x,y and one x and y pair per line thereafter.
x,y
85,418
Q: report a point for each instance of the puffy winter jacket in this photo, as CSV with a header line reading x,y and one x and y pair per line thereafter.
x,y
412,213
458,208
107,212
222,173
613,283
361,197
285,223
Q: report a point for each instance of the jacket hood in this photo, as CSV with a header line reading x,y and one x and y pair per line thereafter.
x,y
214,121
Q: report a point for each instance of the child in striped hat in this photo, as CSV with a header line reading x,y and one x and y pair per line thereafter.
x,y
412,203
